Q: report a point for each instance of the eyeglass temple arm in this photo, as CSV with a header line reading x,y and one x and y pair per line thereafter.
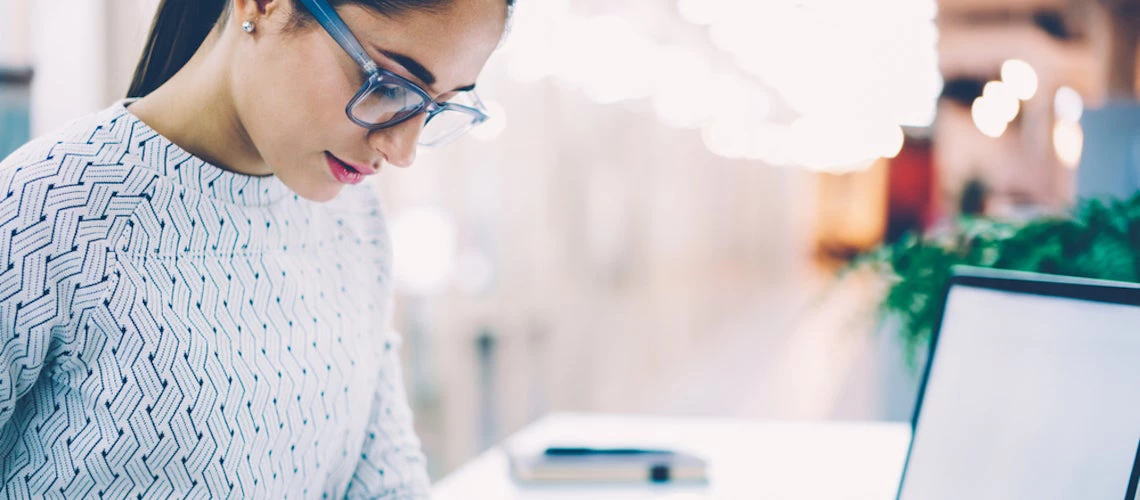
x,y
331,21
479,106
478,102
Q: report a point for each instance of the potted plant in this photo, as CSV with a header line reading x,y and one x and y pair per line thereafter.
x,y
1097,239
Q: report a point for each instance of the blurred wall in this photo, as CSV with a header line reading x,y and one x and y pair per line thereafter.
x,y
1022,169
83,52
617,247
14,38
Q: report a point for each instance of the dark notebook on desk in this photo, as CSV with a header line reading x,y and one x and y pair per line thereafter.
x,y
607,465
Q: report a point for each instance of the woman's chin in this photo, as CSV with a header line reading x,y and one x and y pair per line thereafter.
x,y
320,190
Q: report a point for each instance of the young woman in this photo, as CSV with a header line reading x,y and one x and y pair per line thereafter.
x,y
194,286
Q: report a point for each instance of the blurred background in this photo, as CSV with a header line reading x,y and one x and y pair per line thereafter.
x,y
653,220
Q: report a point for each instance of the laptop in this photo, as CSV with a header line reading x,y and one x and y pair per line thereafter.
x,y
1032,391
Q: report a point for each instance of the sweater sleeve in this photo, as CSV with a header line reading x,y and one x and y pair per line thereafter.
x,y
50,270
391,465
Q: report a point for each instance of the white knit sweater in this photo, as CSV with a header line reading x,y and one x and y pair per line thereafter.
x,y
170,328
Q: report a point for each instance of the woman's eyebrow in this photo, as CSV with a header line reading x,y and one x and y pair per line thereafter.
x,y
414,67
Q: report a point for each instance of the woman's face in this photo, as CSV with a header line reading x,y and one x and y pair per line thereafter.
x,y
292,85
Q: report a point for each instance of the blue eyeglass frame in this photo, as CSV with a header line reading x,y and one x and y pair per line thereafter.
x,y
377,76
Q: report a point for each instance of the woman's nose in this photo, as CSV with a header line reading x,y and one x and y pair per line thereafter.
x,y
398,143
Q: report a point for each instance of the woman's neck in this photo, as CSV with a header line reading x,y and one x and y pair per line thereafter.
x,y
195,110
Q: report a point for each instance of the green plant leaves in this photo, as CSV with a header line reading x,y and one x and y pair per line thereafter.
x,y
1098,239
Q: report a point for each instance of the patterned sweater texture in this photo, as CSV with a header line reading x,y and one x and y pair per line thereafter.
x,y
169,328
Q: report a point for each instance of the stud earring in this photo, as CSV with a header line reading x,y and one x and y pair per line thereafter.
x,y
248,27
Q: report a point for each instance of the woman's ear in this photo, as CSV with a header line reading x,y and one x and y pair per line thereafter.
x,y
257,9
268,16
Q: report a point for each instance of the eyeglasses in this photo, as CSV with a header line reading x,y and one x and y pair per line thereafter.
x,y
387,99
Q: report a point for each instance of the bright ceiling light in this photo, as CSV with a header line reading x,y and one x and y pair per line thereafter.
x,y
701,12
1021,78
1068,105
1068,141
876,60
771,144
728,139
891,141
617,60
1003,99
832,143
988,117
674,89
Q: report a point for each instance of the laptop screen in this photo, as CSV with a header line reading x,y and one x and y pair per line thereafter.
x,y
1030,396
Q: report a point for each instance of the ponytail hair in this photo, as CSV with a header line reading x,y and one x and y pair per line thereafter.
x,y
180,27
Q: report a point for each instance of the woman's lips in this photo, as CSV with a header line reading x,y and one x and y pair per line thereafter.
x,y
347,173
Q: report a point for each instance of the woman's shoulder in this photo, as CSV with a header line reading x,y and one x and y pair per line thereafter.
x,y
78,173
96,137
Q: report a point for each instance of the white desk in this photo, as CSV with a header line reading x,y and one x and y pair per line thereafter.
x,y
750,460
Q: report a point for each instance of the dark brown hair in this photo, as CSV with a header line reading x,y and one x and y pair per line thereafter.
x,y
180,27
